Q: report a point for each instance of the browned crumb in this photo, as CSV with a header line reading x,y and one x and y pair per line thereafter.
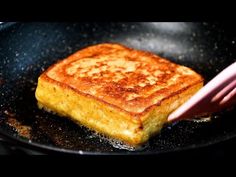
x,y
22,130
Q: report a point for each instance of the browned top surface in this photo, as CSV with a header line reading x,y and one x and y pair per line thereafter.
x,y
126,78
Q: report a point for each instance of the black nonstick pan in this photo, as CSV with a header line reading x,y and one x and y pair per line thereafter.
x,y
27,49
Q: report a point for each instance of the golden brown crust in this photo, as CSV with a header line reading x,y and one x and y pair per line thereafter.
x,y
129,80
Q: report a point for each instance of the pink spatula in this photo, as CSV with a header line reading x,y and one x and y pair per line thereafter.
x,y
217,94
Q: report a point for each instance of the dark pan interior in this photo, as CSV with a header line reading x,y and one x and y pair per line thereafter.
x,y
28,49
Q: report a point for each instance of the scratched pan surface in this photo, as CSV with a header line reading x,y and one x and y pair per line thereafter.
x,y
28,49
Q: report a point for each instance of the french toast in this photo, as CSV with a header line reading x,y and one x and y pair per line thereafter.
x,y
122,93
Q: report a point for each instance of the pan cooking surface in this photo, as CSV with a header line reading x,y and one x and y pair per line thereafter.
x,y
26,50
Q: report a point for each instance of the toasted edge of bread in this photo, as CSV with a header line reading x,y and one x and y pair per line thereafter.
x,y
106,119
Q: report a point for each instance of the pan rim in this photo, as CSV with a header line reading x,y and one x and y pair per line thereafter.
x,y
53,149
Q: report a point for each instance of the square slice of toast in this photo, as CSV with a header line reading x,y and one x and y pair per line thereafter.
x,y
122,93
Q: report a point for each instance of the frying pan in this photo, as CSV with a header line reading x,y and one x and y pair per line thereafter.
x,y
27,49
